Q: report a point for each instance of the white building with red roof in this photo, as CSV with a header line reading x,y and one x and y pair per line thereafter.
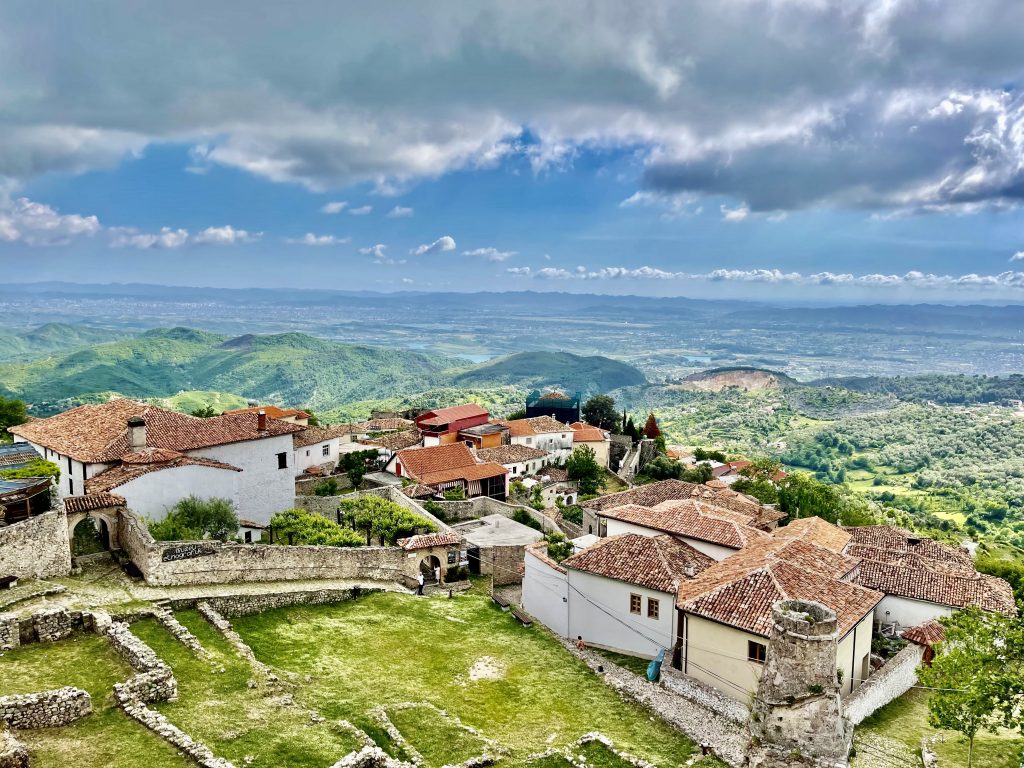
x,y
154,457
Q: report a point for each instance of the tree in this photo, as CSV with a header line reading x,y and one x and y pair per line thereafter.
x,y
558,547
651,428
701,454
354,465
12,413
582,467
35,468
300,526
630,430
801,495
384,519
519,413
977,674
758,480
312,421
599,411
206,412
196,518
663,468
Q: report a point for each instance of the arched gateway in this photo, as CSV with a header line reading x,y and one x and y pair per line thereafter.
x,y
103,509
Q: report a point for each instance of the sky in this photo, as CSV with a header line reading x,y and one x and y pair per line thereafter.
x,y
863,150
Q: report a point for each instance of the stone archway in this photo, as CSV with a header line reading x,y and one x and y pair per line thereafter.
x,y
429,566
105,527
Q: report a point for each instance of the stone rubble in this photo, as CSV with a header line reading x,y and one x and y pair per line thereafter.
x,y
370,757
10,632
12,752
179,631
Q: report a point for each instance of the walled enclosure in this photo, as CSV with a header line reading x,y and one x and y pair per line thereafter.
x,y
36,548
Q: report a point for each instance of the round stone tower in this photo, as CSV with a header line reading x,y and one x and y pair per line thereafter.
x,y
796,718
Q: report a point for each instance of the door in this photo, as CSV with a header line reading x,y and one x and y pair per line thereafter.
x,y
473,555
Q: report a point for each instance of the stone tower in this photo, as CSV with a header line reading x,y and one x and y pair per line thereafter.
x,y
797,718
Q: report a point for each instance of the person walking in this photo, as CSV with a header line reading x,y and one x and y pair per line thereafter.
x,y
437,574
419,579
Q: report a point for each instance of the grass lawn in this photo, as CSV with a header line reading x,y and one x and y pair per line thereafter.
x,y
216,705
515,685
897,730
104,738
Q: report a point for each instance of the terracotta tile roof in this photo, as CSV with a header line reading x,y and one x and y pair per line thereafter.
x,y
957,590
816,531
131,470
314,435
17,454
585,433
419,491
510,454
91,501
243,523
880,542
444,463
429,540
535,425
99,433
556,474
730,468
927,634
272,411
441,416
687,518
655,562
740,590
395,441
645,495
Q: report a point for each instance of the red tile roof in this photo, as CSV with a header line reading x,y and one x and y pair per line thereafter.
x,y
429,540
133,469
510,454
444,463
99,433
395,441
584,433
956,590
92,501
655,562
927,634
272,411
441,416
816,531
740,590
687,518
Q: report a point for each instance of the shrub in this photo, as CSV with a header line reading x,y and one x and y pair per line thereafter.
x,y
300,526
558,547
582,467
328,487
196,518
457,493
456,573
524,517
573,514
35,468
436,510
384,519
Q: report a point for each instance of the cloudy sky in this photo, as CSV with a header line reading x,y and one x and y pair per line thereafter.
x,y
862,149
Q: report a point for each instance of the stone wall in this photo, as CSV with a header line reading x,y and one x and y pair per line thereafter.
x,y
890,682
36,548
10,631
304,485
12,752
503,564
155,681
48,709
233,606
474,509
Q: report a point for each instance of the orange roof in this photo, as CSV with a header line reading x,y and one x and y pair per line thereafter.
x,y
585,433
687,518
816,531
535,425
429,540
92,501
927,634
132,470
272,411
99,433
443,463
655,562
441,416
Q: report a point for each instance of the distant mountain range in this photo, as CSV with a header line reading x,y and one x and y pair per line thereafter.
x,y
50,338
287,368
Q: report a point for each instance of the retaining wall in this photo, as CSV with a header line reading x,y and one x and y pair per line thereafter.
x,y
232,606
304,485
47,709
36,548
897,677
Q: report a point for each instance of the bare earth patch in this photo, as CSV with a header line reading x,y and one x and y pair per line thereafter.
x,y
486,668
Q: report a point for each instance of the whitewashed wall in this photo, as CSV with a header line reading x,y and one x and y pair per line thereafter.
x,y
153,494
545,595
263,488
907,612
314,456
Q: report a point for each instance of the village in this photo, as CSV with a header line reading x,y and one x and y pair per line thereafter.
x,y
762,640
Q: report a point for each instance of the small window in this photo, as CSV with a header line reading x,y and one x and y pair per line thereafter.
x,y
282,461
756,652
307,453
515,469
71,487
634,604
327,450
653,608
529,441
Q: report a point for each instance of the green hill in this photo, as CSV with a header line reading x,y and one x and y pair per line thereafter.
x,y
553,369
50,338
289,368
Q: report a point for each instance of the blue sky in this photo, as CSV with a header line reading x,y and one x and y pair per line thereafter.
x,y
856,151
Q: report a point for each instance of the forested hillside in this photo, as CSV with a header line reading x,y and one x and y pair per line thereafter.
x,y
570,372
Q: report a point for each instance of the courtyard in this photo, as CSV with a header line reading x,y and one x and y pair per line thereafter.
x,y
435,679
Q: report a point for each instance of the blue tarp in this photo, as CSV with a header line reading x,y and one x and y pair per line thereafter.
x,y
654,668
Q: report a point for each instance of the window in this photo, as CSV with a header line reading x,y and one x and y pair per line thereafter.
x,y
634,604
653,608
327,450
515,469
756,652
282,461
529,441
307,453
71,487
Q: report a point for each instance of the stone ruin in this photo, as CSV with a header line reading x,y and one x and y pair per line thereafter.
x,y
797,719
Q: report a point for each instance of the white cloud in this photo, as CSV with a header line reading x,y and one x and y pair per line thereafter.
x,y
24,220
739,213
362,210
129,237
490,254
336,206
377,251
1009,280
441,245
310,239
226,235
407,281
398,212
673,205
1018,256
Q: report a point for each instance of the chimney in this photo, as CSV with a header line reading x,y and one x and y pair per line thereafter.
x,y
136,433
690,571
261,421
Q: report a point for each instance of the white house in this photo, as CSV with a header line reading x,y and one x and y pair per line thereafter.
x,y
597,439
315,447
542,432
519,460
154,457
618,594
